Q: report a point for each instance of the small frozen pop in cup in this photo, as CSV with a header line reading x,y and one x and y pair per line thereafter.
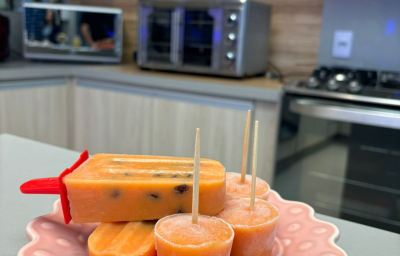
x,y
239,184
254,229
235,188
253,220
193,234
177,235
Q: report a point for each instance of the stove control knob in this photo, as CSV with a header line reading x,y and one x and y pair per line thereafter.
x,y
333,84
313,82
230,39
229,57
354,87
232,20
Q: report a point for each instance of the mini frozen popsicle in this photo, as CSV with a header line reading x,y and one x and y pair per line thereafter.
x,y
254,229
177,235
239,184
109,188
194,235
123,239
253,220
237,189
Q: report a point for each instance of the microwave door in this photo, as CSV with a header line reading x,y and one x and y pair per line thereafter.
x,y
202,38
155,40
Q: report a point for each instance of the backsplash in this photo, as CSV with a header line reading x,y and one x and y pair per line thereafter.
x,y
295,30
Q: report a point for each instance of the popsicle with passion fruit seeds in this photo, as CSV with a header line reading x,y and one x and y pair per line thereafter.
x,y
110,188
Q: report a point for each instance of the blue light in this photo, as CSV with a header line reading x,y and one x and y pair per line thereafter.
x,y
390,27
217,36
143,32
397,95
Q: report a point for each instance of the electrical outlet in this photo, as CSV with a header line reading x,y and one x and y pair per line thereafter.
x,y
342,44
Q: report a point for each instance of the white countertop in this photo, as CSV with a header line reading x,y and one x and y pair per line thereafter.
x,y
253,88
22,160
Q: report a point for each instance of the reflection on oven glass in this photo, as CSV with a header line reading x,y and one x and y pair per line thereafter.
x,y
345,170
159,31
197,46
52,31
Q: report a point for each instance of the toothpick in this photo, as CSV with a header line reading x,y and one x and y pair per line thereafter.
x,y
245,147
196,176
254,170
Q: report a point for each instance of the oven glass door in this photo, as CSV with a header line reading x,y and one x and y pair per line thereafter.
x,y
342,159
159,35
202,37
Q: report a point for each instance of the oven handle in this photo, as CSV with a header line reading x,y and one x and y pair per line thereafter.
x,y
176,36
337,111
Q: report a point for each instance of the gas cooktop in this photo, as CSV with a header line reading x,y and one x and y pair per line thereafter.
x,y
351,85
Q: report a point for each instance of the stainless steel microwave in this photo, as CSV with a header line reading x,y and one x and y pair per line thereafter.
x,y
221,37
72,32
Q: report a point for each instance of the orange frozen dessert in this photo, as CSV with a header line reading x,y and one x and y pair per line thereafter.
x,y
177,236
254,229
123,239
110,188
236,189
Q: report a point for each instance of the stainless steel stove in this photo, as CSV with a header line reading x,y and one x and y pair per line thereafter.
x,y
351,85
339,145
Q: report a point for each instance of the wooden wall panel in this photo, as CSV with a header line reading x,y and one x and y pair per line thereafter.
x,y
295,30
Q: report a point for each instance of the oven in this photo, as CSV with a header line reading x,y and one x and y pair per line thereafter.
x,y
340,153
228,37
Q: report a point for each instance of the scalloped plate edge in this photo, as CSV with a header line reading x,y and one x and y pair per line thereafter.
x,y
333,238
31,233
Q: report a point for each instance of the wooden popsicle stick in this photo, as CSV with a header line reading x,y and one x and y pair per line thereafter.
x,y
196,177
245,147
254,167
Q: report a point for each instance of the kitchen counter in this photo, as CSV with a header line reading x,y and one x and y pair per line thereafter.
x,y
255,88
22,160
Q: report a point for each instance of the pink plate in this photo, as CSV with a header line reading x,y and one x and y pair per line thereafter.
x,y
299,233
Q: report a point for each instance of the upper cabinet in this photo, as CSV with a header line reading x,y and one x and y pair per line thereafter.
x,y
35,110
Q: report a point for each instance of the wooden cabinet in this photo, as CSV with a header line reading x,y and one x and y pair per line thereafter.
x,y
35,110
221,123
117,118
109,119
131,120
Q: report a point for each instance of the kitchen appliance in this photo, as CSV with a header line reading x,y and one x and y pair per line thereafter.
x,y
223,37
4,37
339,133
339,145
69,32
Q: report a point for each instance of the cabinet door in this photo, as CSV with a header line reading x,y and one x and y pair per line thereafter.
x,y
109,119
35,110
221,123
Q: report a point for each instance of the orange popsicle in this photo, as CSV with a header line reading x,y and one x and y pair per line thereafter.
x,y
123,239
254,229
109,188
236,189
176,235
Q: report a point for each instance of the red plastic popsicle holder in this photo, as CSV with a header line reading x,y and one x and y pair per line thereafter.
x,y
55,185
